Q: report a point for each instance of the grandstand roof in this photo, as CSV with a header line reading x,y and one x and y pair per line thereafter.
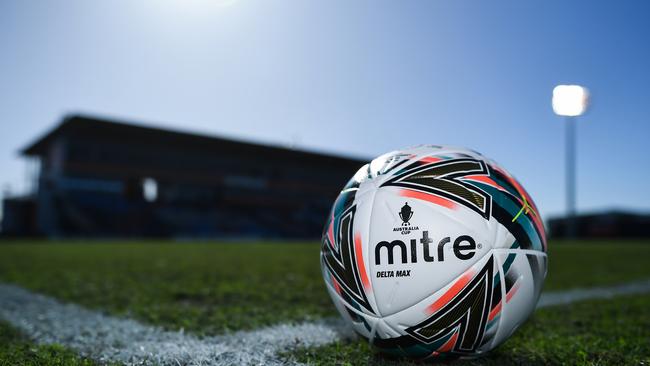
x,y
81,126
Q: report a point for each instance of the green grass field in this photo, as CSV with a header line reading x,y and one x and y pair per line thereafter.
x,y
16,350
210,288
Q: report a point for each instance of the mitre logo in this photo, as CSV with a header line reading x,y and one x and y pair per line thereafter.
x,y
464,248
406,213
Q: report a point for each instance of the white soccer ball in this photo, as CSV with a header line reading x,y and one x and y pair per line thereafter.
x,y
434,251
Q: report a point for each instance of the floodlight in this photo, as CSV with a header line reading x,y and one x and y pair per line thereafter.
x,y
570,100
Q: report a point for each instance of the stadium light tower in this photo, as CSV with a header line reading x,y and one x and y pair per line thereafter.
x,y
570,101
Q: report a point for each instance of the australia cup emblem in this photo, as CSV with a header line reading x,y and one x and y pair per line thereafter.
x,y
405,214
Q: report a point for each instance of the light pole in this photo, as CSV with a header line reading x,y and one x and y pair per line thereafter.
x,y
570,101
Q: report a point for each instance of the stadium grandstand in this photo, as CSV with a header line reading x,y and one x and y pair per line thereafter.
x,y
609,224
101,178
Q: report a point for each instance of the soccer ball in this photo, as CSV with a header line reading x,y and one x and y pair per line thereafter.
x,y
434,251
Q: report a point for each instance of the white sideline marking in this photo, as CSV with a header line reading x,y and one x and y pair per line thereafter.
x,y
111,339
579,294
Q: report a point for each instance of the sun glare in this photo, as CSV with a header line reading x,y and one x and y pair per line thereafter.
x,y
193,8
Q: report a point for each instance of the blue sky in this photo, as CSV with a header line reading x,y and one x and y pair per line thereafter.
x,y
357,78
